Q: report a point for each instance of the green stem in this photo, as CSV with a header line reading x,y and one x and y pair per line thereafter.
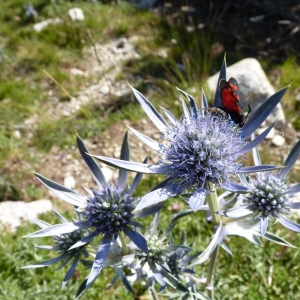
x,y
153,294
124,246
213,204
210,273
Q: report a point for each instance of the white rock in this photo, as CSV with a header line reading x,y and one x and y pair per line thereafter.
x,y
270,135
134,39
69,157
41,25
253,83
105,89
66,113
83,98
77,72
76,14
17,134
278,140
14,213
107,173
69,182
163,52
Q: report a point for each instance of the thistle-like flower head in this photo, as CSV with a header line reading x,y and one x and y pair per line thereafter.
x,y
65,241
268,195
155,263
106,211
62,244
109,210
204,147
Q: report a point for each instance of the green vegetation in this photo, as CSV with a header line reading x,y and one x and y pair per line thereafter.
x,y
27,57
43,283
266,273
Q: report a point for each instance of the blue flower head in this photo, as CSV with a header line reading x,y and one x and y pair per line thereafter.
x,y
200,149
155,265
268,195
107,211
62,245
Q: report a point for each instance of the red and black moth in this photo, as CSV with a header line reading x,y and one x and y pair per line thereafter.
x,y
230,102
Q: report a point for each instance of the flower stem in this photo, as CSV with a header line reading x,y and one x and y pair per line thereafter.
x,y
210,273
212,202
124,245
153,294
213,205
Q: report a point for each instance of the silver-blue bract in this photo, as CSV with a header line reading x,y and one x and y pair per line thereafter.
x,y
199,149
268,195
62,245
164,261
105,212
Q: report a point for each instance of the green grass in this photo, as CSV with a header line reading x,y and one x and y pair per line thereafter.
x,y
287,77
87,122
42,283
253,272
24,87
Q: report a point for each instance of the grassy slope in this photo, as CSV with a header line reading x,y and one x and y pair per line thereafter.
x,y
256,273
269,272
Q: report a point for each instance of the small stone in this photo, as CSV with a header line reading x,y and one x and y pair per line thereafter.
x,y
278,140
41,25
104,89
76,14
270,135
69,182
190,28
66,113
163,53
69,157
17,134
83,98
134,39
107,173
77,72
